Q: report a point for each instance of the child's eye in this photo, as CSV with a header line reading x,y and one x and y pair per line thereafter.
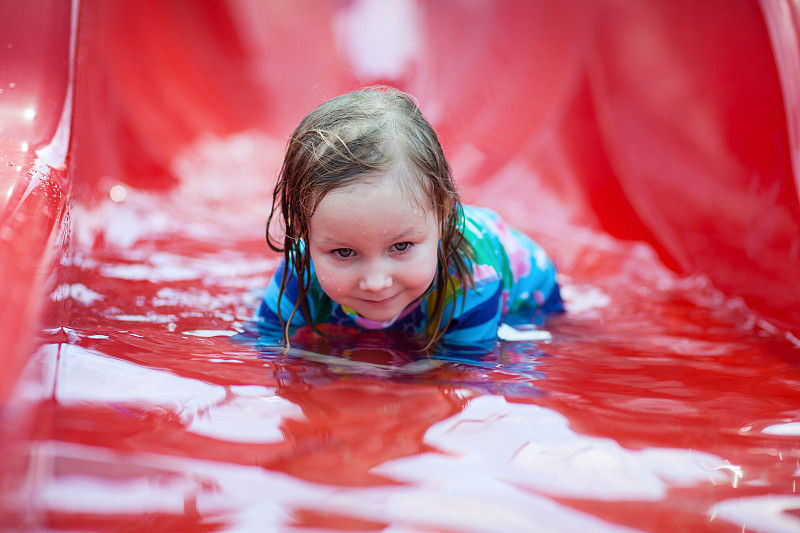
x,y
342,253
402,246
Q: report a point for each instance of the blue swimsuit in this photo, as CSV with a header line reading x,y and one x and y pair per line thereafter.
x,y
512,276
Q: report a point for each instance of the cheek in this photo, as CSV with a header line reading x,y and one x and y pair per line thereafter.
x,y
424,270
333,281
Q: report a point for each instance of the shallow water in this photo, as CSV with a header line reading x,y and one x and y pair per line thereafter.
x,y
657,404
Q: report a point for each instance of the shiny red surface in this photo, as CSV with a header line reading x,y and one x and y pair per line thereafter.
x,y
651,146
34,77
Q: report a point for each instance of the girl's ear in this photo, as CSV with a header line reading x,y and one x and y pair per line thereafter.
x,y
449,208
446,208
445,214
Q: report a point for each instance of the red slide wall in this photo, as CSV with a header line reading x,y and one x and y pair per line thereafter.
x,y
674,123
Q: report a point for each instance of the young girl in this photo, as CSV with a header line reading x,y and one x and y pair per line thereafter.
x,y
375,236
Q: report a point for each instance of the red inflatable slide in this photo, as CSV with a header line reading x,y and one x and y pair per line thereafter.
x,y
652,146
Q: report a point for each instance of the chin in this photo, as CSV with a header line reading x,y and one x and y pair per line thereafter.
x,y
379,317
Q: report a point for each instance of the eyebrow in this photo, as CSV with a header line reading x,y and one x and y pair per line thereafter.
x,y
405,234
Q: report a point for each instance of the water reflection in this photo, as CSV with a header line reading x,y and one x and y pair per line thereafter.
x,y
508,368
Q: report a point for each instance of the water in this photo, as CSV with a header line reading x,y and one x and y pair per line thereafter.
x,y
655,405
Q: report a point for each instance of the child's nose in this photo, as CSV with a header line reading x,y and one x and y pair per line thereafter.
x,y
375,280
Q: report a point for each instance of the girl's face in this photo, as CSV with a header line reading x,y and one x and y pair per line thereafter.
x,y
374,250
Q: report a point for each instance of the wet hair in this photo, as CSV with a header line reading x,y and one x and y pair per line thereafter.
x,y
357,136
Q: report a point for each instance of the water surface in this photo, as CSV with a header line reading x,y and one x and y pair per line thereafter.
x,y
656,404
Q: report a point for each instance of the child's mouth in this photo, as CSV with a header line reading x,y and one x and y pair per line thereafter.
x,y
378,302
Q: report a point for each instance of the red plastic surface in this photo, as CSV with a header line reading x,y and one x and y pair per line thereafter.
x,y
625,136
677,138
34,81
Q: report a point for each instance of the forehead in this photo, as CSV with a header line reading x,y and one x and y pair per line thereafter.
x,y
395,191
371,210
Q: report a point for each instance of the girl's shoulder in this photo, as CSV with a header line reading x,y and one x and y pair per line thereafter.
x,y
480,228
483,223
499,249
478,214
488,233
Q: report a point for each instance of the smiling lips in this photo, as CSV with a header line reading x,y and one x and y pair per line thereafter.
x,y
378,302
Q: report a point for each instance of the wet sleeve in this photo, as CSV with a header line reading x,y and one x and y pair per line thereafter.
x,y
477,316
535,284
268,313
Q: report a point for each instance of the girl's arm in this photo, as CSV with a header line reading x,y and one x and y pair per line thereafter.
x,y
269,314
476,322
